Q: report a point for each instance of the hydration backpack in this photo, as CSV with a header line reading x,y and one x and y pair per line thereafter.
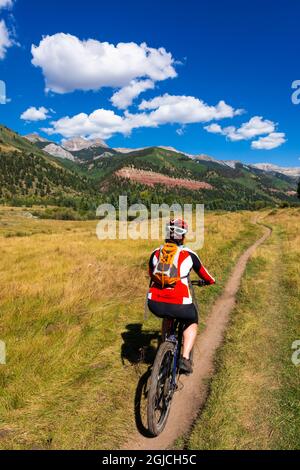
x,y
165,273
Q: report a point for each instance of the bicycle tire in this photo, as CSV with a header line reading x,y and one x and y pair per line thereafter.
x,y
155,426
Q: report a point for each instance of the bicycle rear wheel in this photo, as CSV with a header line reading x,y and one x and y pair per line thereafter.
x,y
161,388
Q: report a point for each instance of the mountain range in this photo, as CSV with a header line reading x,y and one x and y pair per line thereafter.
x,y
80,173
70,149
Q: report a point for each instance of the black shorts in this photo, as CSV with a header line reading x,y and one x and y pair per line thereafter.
x,y
186,312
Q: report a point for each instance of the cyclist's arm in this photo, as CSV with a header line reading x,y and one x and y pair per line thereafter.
x,y
201,270
152,262
151,266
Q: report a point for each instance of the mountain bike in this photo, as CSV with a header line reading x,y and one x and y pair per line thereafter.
x,y
165,372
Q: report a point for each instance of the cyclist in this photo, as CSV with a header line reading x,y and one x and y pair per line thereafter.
x,y
169,295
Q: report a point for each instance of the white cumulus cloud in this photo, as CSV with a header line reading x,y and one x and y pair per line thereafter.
x,y
5,39
186,109
214,128
102,123
254,127
271,141
35,114
105,123
69,64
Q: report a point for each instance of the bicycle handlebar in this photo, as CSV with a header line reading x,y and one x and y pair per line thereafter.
x,y
199,283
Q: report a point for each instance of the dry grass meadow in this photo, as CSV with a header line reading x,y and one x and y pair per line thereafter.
x,y
72,318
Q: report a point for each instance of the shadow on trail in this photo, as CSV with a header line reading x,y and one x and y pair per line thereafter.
x,y
137,349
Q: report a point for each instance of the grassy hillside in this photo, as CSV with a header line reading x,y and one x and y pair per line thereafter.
x,y
93,153
24,174
76,342
33,177
30,176
255,400
234,188
11,141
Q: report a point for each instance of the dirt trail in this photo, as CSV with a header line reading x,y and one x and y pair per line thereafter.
x,y
187,403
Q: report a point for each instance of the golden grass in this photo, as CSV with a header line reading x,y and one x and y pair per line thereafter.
x,y
8,148
65,301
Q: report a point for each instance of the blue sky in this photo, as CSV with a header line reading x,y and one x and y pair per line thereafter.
x,y
244,55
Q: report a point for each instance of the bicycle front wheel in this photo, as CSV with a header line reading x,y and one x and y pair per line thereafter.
x,y
161,388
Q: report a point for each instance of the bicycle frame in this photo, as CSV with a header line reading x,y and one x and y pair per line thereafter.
x,y
177,340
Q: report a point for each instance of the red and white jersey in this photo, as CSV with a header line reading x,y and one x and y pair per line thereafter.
x,y
185,260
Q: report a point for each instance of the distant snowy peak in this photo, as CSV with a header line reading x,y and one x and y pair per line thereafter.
x,y
128,150
35,137
171,149
96,143
231,163
79,143
204,157
59,152
294,172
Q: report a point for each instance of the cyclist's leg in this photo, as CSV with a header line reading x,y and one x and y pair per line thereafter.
x,y
189,338
190,331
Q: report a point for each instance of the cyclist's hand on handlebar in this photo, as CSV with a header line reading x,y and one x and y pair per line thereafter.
x,y
200,283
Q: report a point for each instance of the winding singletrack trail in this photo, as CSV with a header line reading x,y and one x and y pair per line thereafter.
x,y
190,400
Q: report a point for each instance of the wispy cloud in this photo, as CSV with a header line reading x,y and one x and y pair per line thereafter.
x,y
5,39
6,4
6,36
